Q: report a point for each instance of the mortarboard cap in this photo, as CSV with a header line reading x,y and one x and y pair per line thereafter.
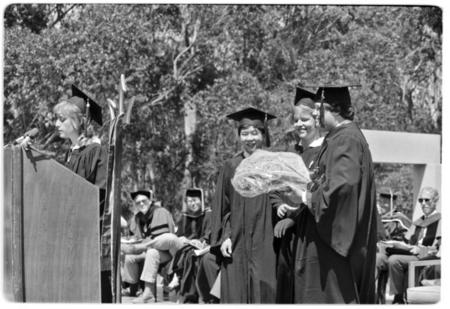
x,y
307,98
251,116
94,112
194,192
335,95
147,193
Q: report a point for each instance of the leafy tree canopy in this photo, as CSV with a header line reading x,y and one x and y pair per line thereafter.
x,y
214,59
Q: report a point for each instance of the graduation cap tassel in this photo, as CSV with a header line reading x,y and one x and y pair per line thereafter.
x,y
322,110
87,117
84,102
266,130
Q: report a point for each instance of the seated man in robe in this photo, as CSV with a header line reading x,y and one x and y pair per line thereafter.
x,y
197,273
194,227
394,220
424,239
149,222
181,245
193,214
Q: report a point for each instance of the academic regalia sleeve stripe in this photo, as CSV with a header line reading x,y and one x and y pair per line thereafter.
x,y
159,227
162,221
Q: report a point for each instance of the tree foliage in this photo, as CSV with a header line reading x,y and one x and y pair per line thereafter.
x,y
216,59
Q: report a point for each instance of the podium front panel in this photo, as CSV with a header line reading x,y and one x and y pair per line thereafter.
x,y
60,234
12,225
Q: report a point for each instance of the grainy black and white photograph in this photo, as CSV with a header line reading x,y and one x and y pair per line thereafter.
x,y
222,153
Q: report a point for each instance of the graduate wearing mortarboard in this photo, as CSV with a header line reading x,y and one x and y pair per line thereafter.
x,y
306,125
86,158
74,123
242,228
291,226
338,246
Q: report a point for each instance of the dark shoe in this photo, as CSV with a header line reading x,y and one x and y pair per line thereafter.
x,y
398,299
134,289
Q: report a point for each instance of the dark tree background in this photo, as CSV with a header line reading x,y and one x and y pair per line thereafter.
x,y
189,65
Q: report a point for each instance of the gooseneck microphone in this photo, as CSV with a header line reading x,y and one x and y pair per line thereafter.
x,y
28,135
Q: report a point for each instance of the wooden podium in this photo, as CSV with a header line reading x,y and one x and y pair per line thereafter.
x,y
51,231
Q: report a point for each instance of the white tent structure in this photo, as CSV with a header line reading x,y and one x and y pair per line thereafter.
x,y
423,151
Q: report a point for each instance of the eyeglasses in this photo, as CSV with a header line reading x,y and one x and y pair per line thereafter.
x,y
140,202
421,200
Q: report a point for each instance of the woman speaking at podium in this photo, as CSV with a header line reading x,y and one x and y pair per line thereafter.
x,y
86,157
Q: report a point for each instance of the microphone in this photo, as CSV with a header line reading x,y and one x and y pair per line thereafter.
x,y
28,135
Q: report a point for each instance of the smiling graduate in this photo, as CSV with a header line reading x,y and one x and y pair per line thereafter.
x,y
242,228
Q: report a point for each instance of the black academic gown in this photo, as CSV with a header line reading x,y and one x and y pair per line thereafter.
x,y
191,226
208,267
249,275
336,251
430,226
185,263
90,163
289,241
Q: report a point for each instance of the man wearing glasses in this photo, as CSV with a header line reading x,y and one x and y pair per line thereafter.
x,y
150,221
424,236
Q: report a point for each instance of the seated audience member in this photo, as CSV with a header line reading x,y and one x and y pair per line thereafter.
x,y
195,227
181,246
198,273
127,215
424,235
149,222
393,225
395,222
193,214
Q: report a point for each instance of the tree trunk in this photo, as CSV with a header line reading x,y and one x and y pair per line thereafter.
x,y
189,129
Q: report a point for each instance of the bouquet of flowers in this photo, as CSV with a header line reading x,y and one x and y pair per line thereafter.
x,y
266,171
